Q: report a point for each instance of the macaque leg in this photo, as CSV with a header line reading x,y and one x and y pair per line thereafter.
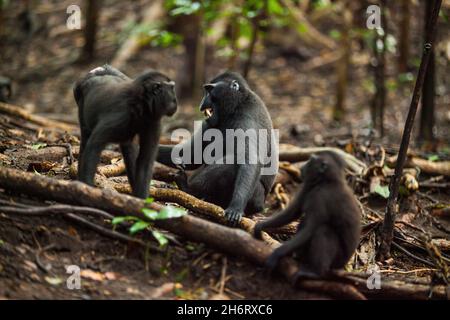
x,y
91,156
148,142
84,137
130,153
297,243
323,249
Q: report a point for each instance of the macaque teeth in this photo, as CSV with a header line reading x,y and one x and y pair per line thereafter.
x,y
208,112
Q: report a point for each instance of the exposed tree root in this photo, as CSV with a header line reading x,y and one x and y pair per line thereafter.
x,y
430,167
295,154
231,241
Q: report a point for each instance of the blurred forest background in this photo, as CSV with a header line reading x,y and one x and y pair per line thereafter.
x,y
317,66
327,79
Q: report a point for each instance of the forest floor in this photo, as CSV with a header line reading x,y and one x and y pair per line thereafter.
x,y
35,250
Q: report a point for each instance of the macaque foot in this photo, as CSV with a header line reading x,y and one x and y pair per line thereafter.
x,y
303,274
181,178
233,217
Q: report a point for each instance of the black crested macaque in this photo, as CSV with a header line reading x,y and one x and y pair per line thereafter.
x,y
330,231
238,187
115,108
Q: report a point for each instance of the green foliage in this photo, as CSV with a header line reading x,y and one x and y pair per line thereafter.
x,y
162,240
433,157
167,212
38,146
150,34
405,77
3,4
322,4
335,34
382,191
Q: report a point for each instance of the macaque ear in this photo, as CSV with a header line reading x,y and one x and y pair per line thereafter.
x,y
234,85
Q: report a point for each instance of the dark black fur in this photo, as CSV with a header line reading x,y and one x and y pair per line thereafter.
x,y
329,233
115,108
235,187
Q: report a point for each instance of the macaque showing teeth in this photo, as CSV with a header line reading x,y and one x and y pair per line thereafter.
x,y
208,112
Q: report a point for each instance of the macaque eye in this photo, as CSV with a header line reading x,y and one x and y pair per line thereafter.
x,y
323,166
234,85
156,88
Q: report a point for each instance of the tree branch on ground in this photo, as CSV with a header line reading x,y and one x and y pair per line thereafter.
x,y
232,241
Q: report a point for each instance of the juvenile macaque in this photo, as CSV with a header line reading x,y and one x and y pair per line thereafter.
x,y
115,108
330,230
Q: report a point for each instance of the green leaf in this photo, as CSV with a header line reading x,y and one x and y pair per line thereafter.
x,y
160,238
149,200
433,157
382,191
273,7
335,34
121,219
138,226
54,280
302,28
169,212
405,77
149,213
38,146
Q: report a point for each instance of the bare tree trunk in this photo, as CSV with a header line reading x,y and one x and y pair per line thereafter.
x,y
428,90
90,29
343,66
254,39
234,37
403,57
200,53
379,99
192,75
392,208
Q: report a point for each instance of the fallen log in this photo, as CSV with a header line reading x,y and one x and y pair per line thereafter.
x,y
293,153
232,241
427,166
25,115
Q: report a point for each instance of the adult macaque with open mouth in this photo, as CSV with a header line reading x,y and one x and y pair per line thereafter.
x,y
239,187
115,108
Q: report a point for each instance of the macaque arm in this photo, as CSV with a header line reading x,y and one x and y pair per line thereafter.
x,y
165,151
292,212
247,175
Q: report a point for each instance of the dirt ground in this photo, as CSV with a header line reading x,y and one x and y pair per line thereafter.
x,y
35,250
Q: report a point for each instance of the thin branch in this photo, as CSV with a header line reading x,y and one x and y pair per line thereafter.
x,y
391,210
